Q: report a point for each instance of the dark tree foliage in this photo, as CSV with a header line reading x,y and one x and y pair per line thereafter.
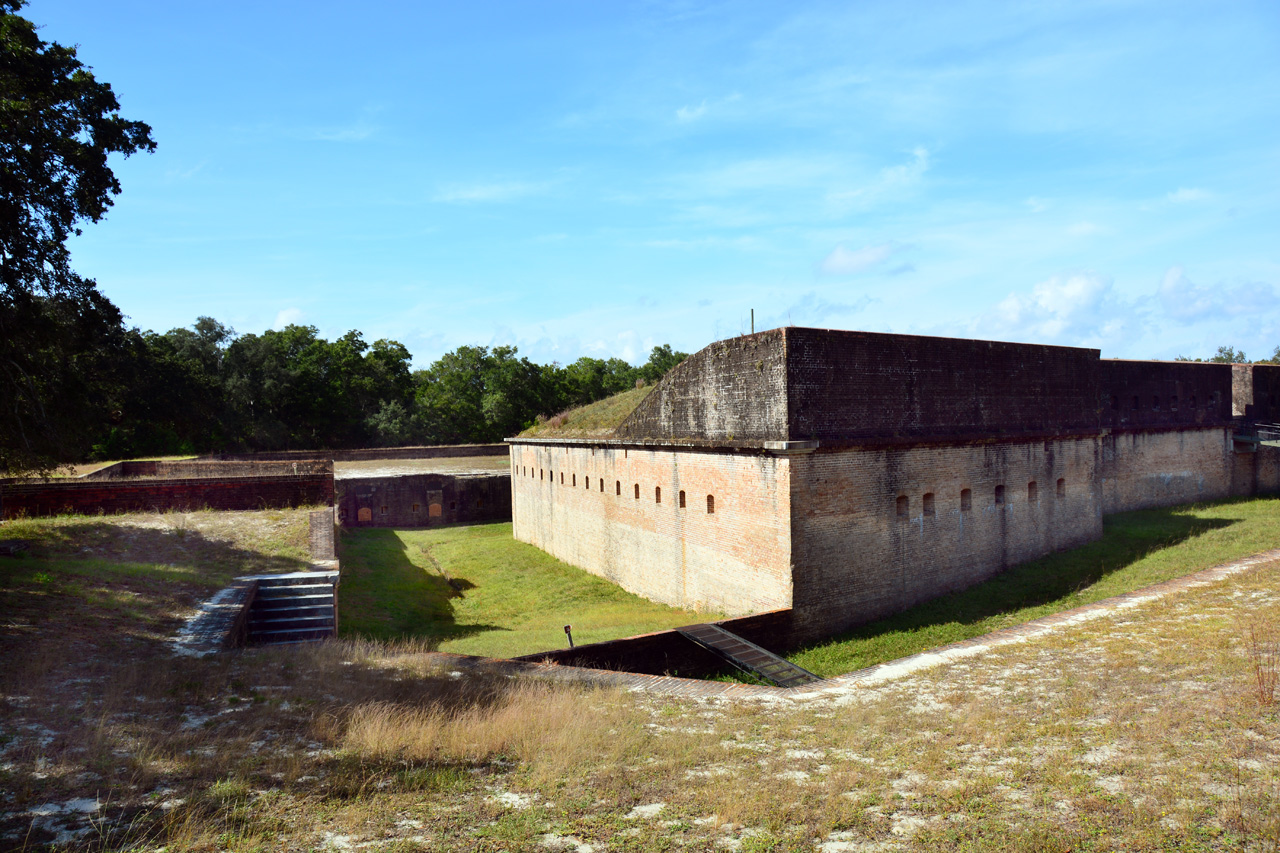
x,y
58,126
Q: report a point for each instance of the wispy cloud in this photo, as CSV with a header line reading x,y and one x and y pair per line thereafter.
x,y
691,113
488,192
842,261
287,317
1186,194
1184,301
889,182
357,132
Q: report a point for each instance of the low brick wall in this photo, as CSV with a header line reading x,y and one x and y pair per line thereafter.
x,y
669,653
192,469
92,498
441,451
323,535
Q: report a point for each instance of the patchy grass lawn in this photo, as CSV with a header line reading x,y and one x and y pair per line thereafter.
x,y
476,590
444,465
1137,549
1143,730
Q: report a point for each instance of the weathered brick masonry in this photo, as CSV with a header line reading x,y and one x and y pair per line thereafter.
x,y
855,474
697,529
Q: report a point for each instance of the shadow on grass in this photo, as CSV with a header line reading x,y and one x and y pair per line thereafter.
x,y
385,596
1126,539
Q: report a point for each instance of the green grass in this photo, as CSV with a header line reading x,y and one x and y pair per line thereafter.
x,y
475,590
1137,549
594,419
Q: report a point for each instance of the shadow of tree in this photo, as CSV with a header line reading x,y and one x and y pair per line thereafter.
x,y
385,596
1126,539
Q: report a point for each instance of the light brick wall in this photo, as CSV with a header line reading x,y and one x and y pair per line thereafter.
x,y
736,560
1140,470
857,559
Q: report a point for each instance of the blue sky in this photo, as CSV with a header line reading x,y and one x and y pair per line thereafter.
x,y
595,178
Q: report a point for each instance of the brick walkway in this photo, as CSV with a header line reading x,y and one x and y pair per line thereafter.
x,y
845,684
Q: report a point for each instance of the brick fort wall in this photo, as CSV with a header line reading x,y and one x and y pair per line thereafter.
x,y
241,493
616,512
423,500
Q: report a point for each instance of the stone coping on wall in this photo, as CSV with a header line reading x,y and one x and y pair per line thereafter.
x,y
807,446
844,685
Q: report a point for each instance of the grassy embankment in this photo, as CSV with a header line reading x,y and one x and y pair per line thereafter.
x,y
1136,549
475,590
594,420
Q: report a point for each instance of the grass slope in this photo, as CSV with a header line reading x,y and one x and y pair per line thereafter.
x,y
594,420
475,590
1136,549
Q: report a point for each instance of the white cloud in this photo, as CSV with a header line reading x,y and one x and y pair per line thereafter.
x,y
1037,205
1084,229
845,262
1185,194
1184,301
287,317
1078,310
491,192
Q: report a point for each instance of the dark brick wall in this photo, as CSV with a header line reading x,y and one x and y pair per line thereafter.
x,y
441,451
1256,392
89,498
192,469
733,390
1163,394
422,500
856,385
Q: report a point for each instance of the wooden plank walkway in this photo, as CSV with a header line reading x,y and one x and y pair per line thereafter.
x,y
747,656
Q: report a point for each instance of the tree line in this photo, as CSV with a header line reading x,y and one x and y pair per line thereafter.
x,y
205,388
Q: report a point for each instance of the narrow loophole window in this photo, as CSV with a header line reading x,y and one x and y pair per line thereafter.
x,y
1033,492
415,508
383,510
999,494
1062,488
541,473
602,485
575,480
657,494
617,484
681,496
966,499
904,506
711,504
637,491
562,477
928,503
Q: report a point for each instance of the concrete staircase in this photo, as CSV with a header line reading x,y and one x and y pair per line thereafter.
x,y
298,607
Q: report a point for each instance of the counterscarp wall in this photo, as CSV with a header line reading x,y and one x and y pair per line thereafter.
x,y
239,493
423,500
